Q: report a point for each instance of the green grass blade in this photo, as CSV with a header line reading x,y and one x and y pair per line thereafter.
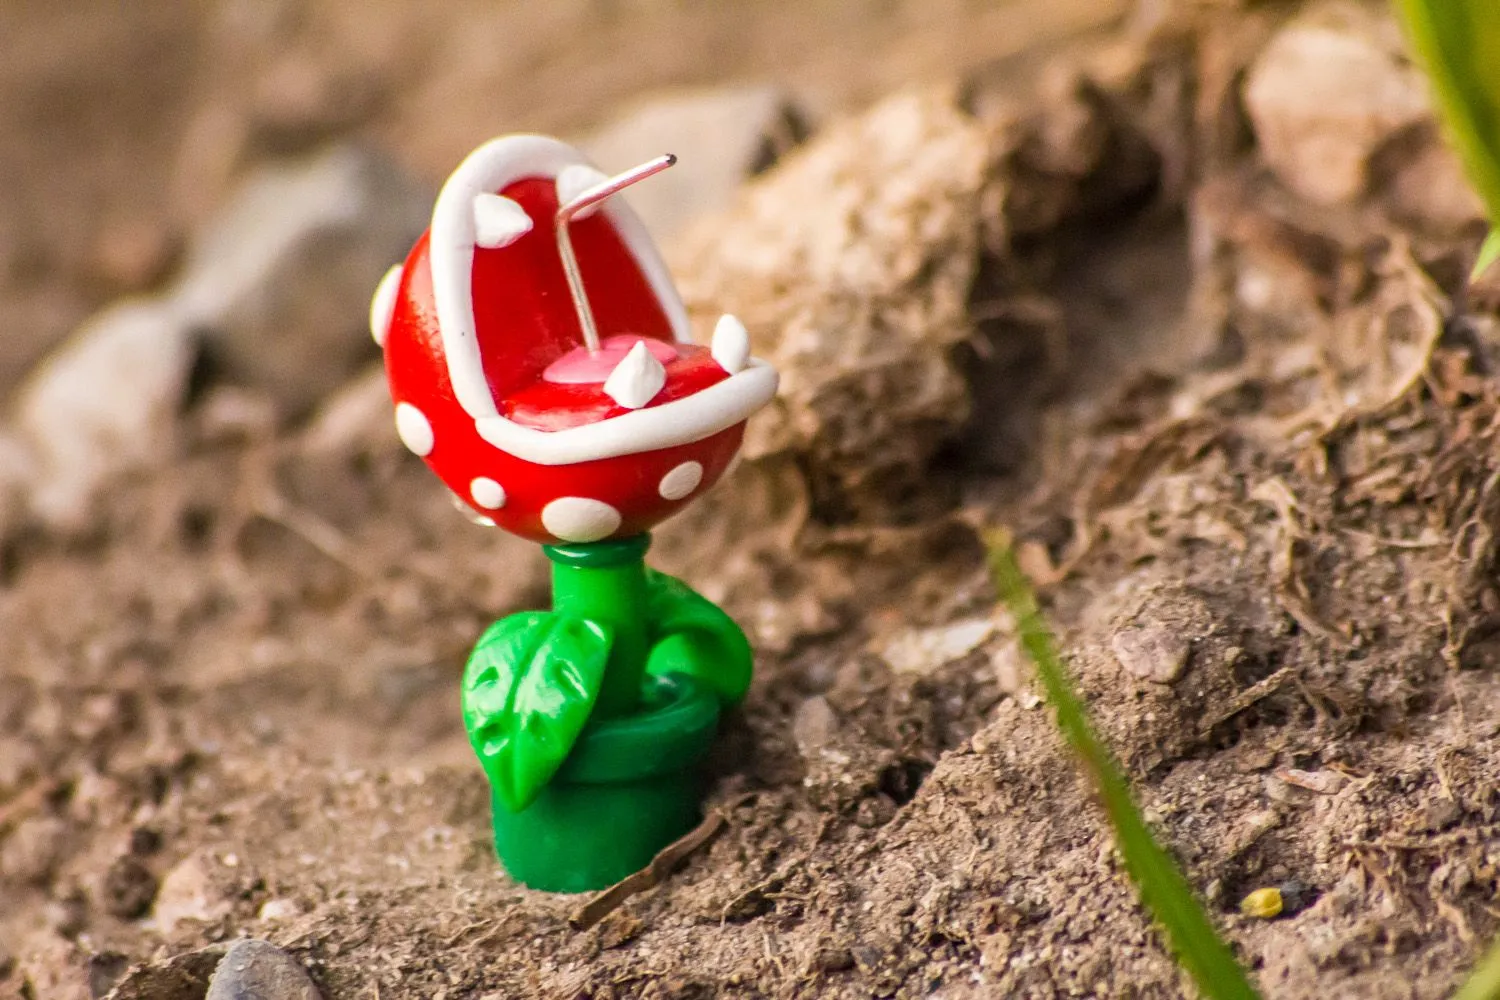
x,y
1162,886
1458,42
1484,982
1489,253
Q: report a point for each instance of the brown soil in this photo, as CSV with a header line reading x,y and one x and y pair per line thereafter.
x,y
235,703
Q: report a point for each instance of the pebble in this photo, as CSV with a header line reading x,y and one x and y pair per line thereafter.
x,y
1153,653
921,651
106,401
258,970
1327,92
32,850
187,893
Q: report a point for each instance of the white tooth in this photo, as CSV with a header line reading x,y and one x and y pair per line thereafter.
x,y
636,379
498,221
383,304
731,344
573,180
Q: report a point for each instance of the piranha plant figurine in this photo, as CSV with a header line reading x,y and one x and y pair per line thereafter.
x,y
541,364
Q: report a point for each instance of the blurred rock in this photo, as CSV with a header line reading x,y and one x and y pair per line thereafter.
x,y
1151,652
188,892
851,265
104,402
30,853
921,651
721,136
128,888
1327,92
258,970
280,282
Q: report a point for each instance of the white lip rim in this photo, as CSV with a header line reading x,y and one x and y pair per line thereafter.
x,y
682,421
488,169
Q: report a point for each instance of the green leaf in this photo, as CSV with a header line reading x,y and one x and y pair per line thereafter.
x,y
692,635
1458,41
1489,253
1484,982
528,690
1161,885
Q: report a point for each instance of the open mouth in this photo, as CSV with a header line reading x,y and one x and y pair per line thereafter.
x,y
540,356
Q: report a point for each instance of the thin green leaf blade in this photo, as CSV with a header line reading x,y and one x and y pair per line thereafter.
x,y
528,691
1489,253
1484,982
1161,884
1458,42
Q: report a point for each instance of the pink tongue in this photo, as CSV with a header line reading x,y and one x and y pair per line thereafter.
x,y
579,367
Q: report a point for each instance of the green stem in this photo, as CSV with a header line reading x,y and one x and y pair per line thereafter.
x,y
606,582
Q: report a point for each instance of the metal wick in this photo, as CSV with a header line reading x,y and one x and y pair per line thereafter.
x,y
565,213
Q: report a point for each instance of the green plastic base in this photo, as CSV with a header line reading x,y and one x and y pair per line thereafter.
x,y
632,785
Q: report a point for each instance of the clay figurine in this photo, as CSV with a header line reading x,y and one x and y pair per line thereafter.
x,y
541,363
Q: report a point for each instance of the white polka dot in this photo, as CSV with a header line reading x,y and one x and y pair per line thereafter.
x,y
498,221
383,304
578,519
681,481
487,493
414,430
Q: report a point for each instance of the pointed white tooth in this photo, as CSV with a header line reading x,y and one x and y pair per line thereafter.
x,y
575,179
383,303
498,221
636,379
731,344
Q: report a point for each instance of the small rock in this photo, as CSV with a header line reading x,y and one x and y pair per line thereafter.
x,y
32,850
721,136
813,726
187,893
1327,92
1326,782
258,970
279,910
921,651
281,280
1151,652
129,888
105,402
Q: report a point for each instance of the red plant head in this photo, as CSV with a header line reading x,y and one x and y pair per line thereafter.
x,y
553,431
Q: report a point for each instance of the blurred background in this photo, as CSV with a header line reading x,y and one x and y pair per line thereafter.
x,y
124,126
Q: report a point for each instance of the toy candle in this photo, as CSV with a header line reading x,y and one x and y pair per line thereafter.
x,y
541,364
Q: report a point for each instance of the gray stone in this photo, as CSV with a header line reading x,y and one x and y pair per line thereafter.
x,y
1153,653
280,282
721,136
258,970
107,400
1328,92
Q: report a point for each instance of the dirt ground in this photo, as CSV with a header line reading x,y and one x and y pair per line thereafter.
x,y
1247,446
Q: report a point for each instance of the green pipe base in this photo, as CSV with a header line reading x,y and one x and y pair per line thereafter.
x,y
631,786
